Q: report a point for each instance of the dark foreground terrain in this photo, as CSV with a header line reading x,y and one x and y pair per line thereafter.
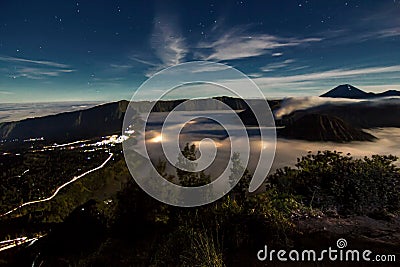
x,y
68,199
106,219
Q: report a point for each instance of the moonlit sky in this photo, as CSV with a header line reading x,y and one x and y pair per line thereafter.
x,y
103,50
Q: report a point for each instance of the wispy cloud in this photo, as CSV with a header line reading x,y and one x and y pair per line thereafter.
x,y
170,47
168,44
237,43
335,73
121,66
207,67
379,24
33,69
38,62
38,73
316,82
109,79
360,33
389,32
379,88
382,23
277,65
143,61
6,93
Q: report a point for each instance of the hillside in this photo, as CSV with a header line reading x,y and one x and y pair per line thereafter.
x,y
361,115
94,122
99,121
318,127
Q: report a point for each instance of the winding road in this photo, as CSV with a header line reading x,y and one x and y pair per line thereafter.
x,y
60,187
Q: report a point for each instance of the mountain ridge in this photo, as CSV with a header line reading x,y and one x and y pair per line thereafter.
x,y
102,120
107,119
352,92
96,121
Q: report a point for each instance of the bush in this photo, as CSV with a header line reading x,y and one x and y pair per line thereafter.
x,y
331,180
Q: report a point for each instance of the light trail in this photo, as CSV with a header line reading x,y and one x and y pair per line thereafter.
x,y
7,244
67,144
60,187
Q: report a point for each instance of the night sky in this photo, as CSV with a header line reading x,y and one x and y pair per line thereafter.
x,y
103,50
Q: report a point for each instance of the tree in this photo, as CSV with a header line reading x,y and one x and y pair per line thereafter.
x,y
190,178
241,189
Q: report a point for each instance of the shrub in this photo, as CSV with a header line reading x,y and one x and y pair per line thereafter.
x,y
331,180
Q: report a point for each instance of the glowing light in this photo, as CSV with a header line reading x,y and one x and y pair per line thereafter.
x,y
157,139
214,143
264,145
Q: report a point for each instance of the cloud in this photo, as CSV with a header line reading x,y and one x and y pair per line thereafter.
x,y
38,62
38,73
388,143
237,44
291,104
362,34
170,47
381,87
167,43
34,69
299,67
384,33
20,111
277,65
207,67
383,22
315,82
6,93
145,62
121,66
335,73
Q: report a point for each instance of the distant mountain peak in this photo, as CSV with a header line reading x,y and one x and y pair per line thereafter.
x,y
349,91
346,91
